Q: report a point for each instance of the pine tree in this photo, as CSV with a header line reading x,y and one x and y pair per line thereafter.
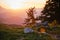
x,y
51,11
30,20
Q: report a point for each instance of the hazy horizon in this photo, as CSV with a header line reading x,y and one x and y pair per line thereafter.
x,y
14,11
13,16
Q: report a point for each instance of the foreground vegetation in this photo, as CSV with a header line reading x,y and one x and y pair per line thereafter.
x,y
12,33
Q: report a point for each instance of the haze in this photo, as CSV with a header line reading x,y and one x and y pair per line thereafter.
x,y
14,11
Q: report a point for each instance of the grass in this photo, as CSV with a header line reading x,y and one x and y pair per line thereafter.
x,y
11,33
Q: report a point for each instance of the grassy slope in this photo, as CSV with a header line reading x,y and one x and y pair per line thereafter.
x,y
12,33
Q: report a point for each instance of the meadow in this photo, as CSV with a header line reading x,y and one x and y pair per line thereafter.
x,y
8,32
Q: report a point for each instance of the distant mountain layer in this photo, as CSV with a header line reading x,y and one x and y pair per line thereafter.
x,y
11,16
8,16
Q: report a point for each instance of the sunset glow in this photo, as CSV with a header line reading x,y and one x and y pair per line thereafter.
x,y
20,4
14,11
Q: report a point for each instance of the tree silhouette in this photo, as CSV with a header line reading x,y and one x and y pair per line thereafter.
x,y
51,11
30,20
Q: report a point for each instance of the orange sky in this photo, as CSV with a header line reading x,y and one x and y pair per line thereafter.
x,y
14,11
22,4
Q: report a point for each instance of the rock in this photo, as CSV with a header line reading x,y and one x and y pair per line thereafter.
x,y
28,30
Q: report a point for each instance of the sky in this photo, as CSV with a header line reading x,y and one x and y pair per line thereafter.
x,y
14,11
10,4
